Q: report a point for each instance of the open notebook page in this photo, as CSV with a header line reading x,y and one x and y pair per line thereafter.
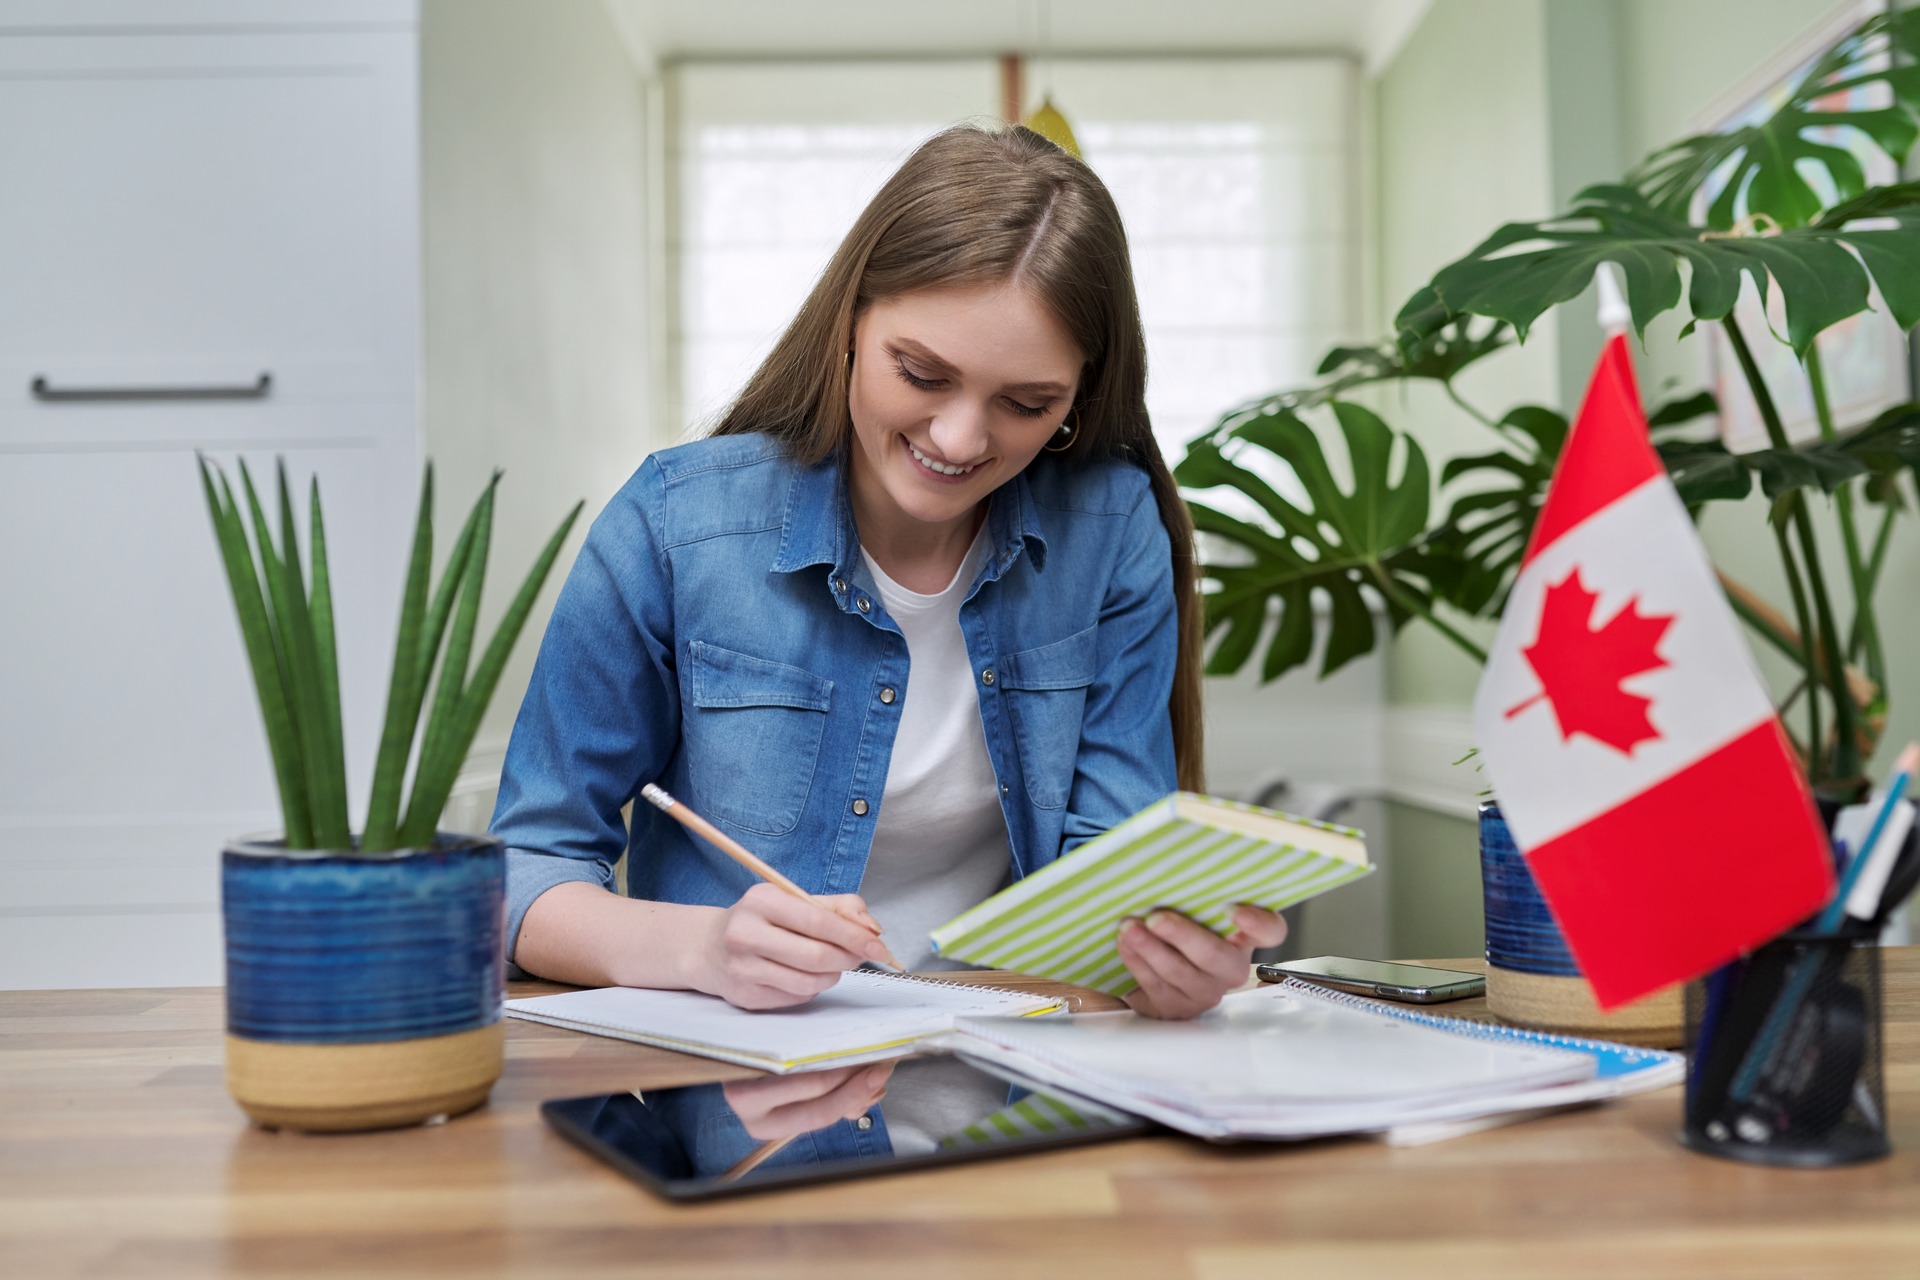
x,y
864,1017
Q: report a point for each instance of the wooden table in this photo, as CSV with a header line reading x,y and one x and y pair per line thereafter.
x,y
120,1155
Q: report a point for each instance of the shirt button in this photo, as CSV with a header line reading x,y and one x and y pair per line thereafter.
x,y
864,1123
859,808
840,585
1003,788
987,676
886,696
865,605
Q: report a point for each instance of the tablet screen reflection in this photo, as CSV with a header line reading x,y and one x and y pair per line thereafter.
x,y
842,1122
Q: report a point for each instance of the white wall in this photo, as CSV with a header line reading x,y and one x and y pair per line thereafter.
x,y
534,151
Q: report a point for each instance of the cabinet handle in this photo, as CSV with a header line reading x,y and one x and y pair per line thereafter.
x,y
256,390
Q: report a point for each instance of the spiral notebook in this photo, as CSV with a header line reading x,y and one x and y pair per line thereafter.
x,y
1195,854
864,1017
1293,1060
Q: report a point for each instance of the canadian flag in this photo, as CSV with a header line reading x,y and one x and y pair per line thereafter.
x,y
1634,751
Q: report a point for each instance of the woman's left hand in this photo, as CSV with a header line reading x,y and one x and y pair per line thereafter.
x,y
1184,968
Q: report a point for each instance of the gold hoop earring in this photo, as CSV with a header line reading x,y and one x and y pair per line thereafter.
x,y
849,362
1063,438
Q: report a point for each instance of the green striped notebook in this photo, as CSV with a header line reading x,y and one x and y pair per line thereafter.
x,y
1193,853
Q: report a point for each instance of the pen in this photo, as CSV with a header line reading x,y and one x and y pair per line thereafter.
x,y
1801,975
679,812
1904,769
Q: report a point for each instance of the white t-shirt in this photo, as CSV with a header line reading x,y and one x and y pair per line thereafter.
x,y
940,843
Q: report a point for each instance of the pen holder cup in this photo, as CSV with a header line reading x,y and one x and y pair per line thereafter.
x,y
1784,1057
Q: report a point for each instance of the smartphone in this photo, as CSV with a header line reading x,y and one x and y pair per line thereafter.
x,y
1412,982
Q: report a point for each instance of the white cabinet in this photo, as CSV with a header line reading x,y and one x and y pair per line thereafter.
x,y
205,210
208,241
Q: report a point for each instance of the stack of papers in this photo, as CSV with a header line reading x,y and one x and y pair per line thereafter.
x,y
1296,1061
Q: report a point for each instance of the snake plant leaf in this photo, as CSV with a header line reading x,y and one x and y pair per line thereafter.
x,y
325,647
273,573
1346,546
326,788
1525,268
256,630
442,719
432,787
403,687
1769,167
443,596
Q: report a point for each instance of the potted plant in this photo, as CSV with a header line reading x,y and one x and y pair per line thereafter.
x,y
1777,203
364,974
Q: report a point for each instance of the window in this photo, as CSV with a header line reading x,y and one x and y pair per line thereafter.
x,y
773,162
1233,175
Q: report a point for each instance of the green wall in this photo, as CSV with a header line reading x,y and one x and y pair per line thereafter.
x,y
1462,139
1462,145
1683,56
1434,895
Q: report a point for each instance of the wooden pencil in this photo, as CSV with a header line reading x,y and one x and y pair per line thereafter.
x,y
757,1157
657,797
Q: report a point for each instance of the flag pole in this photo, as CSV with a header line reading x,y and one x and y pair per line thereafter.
x,y
1615,315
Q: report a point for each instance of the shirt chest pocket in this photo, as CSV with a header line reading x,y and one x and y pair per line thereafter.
x,y
752,733
1045,693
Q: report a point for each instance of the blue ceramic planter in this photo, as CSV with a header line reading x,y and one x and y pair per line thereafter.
x,y
1532,977
363,990
1521,933
328,948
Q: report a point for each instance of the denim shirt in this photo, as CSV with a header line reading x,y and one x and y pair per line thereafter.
x,y
720,634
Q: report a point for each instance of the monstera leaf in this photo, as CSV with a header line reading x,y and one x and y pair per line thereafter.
x,y
1765,167
1344,545
1706,471
1487,529
1525,268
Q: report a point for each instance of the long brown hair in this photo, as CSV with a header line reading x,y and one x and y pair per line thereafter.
x,y
982,206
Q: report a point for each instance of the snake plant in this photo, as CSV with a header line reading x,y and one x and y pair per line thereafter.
x,y
285,609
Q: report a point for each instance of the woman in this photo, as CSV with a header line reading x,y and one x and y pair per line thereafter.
x,y
917,618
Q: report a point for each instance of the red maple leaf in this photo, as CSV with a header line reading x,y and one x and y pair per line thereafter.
x,y
1581,668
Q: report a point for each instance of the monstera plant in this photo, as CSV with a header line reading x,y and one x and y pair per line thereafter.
x,y
1781,203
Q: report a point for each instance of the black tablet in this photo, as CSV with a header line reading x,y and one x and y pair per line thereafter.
x,y
780,1131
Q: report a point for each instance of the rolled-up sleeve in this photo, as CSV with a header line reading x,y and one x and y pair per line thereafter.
x,y
602,710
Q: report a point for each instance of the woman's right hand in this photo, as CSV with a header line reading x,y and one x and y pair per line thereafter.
x,y
786,1106
771,949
